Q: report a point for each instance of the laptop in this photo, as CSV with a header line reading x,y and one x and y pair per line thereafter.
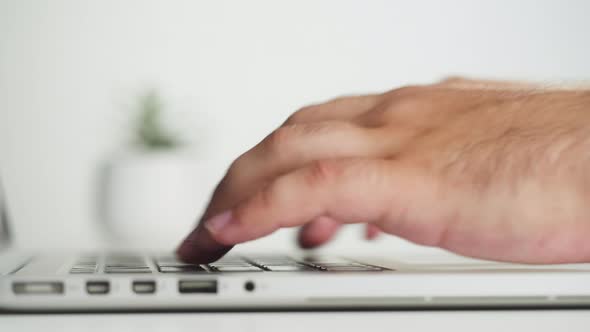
x,y
136,281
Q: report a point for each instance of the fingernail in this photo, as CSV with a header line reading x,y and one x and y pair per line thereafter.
x,y
217,223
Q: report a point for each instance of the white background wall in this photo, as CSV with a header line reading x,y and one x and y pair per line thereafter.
x,y
232,71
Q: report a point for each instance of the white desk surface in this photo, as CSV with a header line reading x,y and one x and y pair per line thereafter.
x,y
537,321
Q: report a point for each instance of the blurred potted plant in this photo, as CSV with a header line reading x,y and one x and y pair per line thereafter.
x,y
149,191
150,132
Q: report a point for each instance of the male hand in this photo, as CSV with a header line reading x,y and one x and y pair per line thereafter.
x,y
483,169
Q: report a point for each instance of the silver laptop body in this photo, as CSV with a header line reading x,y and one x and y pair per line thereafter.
x,y
113,281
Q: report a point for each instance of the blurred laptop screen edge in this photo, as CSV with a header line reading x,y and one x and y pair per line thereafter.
x,y
4,231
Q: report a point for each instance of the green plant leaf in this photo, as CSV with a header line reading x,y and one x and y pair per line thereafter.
x,y
150,131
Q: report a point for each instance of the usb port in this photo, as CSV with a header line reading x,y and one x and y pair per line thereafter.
x,y
37,288
144,287
97,287
197,286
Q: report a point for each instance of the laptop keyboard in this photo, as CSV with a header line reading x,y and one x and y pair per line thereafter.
x,y
138,264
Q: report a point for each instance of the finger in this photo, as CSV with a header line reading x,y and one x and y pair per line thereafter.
x,y
346,190
371,232
200,247
294,146
323,229
318,232
338,109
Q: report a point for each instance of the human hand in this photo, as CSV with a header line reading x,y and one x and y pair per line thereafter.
x,y
482,169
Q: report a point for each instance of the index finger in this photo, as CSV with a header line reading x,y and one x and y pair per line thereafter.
x,y
200,247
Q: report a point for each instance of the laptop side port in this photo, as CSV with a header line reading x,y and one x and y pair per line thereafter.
x,y
38,288
144,286
97,287
249,286
197,286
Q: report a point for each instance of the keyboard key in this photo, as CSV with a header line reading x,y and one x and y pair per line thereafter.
x,y
82,271
326,260
287,268
250,268
328,264
273,261
168,260
183,269
85,265
352,269
224,262
176,265
216,265
126,270
127,266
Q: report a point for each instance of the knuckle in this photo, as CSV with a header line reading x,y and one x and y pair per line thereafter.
x,y
410,103
234,167
405,91
342,99
301,115
320,128
375,118
267,196
293,118
399,104
289,139
260,201
322,172
234,173
278,141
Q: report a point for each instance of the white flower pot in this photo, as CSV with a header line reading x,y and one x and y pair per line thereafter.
x,y
151,199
